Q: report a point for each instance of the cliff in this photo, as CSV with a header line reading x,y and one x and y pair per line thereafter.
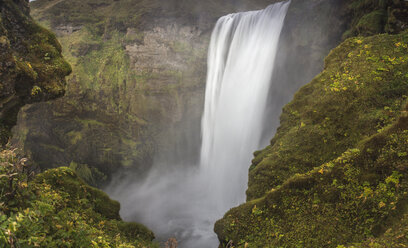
x,y
334,175
54,208
137,89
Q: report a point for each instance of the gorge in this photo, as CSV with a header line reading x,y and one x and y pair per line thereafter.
x,y
164,111
186,201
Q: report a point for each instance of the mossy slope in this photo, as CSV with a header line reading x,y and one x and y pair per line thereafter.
x,y
335,172
57,209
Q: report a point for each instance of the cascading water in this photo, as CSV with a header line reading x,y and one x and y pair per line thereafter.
x,y
240,65
186,202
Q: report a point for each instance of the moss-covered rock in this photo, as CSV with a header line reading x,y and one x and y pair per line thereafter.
x,y
369,17
359,93
134,80
335,173
31,65
345,201
57,209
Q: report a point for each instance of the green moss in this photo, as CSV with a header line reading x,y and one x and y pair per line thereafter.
x,y
369,17
371,23
132,230
31,66
121,99
89,122
57,209
330,205
359,93
89,174
335,172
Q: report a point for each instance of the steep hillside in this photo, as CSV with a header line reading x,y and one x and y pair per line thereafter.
x,y
335,172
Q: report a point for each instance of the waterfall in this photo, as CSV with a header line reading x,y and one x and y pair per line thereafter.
x,y
240,65
186,202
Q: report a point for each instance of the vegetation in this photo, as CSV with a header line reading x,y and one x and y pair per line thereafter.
x,y
369,17
334,173
333,176
57,209
352,198
31,66
360,92
119,100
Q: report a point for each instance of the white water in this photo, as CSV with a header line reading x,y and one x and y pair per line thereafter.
x,y
186,202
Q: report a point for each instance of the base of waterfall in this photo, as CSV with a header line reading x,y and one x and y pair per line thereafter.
x,y
184,202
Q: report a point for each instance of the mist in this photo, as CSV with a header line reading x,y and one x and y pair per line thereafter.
x,y
199,178
185,202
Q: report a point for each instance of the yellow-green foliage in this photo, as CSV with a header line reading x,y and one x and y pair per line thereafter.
x,y
57,209
89,174
360,92
352,198
335,173
396,236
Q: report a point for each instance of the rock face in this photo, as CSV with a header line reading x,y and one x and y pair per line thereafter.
x,y
137,72
139,68
334,173
31,66
54,208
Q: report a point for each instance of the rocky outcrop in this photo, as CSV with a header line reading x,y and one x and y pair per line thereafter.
x,y
31,66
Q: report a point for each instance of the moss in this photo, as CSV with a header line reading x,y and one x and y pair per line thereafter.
x,y
358,94
31,66
371,23
369,17
120,100
57,209
395,236
89,174
335,172
131,230
332,204
64,179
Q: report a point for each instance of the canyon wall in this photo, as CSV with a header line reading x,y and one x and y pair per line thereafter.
x,y
136,93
